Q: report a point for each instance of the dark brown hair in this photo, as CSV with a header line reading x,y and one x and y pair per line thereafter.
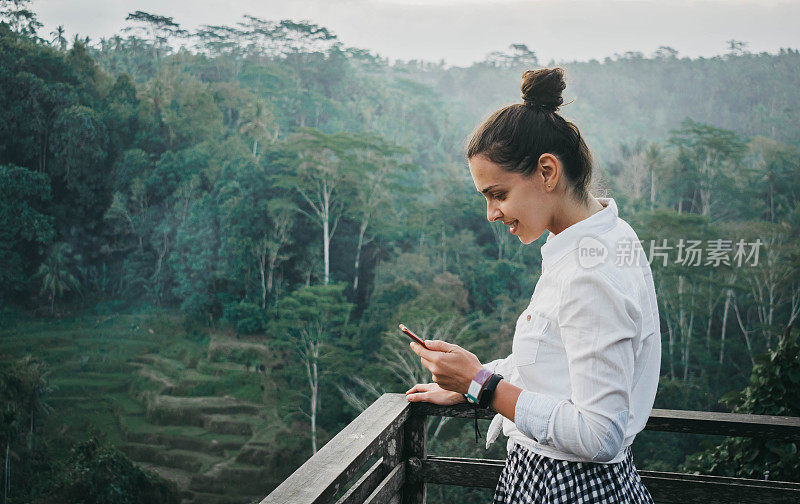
x,y
516,136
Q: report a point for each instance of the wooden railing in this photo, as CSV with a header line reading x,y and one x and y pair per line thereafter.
x,y
394,429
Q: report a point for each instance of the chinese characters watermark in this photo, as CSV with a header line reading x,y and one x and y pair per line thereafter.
x,y
663,252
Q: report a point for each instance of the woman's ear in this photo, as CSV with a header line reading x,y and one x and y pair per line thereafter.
x,y
550,171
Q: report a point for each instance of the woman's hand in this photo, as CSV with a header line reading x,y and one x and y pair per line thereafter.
x,y
433,393
451,366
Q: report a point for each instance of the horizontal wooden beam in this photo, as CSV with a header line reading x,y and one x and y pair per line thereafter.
x,y
695,422
365,485
327,472
481,473
666,488
388,488
677,488
726,424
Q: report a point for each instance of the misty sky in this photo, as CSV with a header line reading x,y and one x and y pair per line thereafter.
x,y
464,31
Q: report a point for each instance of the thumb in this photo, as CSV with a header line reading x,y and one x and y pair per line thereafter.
x,y
439,345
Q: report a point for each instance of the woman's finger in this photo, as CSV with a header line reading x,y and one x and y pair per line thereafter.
x,y
441,346
421,387
428,364
415,388
419,396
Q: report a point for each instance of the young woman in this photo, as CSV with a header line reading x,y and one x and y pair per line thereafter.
x,y
582,376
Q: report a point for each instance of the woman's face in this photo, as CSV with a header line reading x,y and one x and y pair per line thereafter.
x,y
520,201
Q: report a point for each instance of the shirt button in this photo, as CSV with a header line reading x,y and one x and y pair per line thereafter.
x,y
528,318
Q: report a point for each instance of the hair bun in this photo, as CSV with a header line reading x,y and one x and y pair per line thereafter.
x,y
541,89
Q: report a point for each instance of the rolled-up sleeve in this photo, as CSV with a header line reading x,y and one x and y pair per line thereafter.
x,y
597,323
500,366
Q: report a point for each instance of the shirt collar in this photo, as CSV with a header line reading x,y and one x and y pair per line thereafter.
x,y
556,246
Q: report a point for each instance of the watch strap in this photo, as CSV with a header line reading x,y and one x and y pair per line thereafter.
x,y
487,394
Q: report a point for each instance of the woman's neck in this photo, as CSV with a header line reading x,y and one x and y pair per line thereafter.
x,y
573,212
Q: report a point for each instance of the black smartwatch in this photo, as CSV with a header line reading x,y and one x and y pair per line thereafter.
x,y
487,394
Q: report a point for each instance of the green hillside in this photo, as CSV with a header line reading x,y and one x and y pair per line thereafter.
x,y
181,404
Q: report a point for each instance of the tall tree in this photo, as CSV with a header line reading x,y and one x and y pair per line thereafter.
x,y
315,317
772,390
25,230
23,389
713,153
774,169
19,16
319,166
59,41
259,224
373,177
258,125
770,275
56,273
159,28
273,245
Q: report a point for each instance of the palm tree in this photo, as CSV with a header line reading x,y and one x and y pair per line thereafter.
x,y
59,40
55,273
9,430
32,374
22,390
258,126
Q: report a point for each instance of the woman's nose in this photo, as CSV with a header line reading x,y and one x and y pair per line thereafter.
x,y
492,212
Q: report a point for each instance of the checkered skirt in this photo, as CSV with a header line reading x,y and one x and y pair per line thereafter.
x,y
532,478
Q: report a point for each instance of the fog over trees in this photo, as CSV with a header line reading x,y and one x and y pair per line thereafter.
x,y
208,238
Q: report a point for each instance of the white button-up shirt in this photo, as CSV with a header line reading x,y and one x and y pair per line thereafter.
x,y
587,349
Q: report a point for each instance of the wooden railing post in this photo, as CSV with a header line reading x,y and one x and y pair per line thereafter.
x,y
414,452
392,457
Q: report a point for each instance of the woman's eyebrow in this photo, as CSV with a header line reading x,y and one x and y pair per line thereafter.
x,y
489,188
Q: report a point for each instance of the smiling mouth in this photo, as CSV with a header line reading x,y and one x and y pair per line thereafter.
x,y
513,225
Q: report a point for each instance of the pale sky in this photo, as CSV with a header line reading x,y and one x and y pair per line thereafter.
x,y
464,31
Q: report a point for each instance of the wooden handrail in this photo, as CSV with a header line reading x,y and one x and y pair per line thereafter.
x,y
727,424
695,422
323,475
396,428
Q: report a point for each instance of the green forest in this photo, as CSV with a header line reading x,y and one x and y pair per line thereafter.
x,y
208,238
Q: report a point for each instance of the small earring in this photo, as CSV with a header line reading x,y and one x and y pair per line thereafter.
x,y
548,185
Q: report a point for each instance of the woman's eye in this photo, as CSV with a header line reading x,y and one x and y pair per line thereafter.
x,y
500,196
